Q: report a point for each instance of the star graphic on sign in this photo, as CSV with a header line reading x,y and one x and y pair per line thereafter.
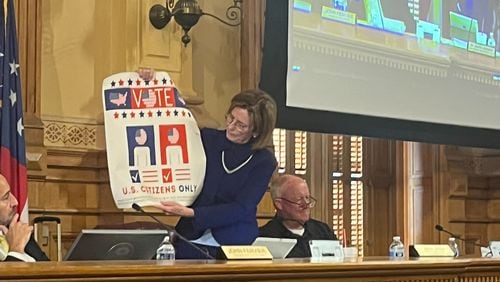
x,y
141,114
20,127
146,82
124,115
132,115
13,67
168,113
117,115
164,80
155,81
183,113
113,83
13,97
130,82
120,82
150,114
138,82
176,113
158,113
189,114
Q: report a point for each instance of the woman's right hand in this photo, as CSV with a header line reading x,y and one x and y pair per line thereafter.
x,y
146,74
173,208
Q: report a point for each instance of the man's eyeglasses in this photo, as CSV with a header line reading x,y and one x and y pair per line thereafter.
x,y
239,125
302,203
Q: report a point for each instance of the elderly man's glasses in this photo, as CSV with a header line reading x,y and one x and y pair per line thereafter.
x,y
239,125
302,203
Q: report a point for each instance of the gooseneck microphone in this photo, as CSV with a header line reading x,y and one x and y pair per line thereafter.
x,y
171,229
441,229
457,236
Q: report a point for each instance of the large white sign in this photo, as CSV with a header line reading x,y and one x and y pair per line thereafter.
x,y
153,142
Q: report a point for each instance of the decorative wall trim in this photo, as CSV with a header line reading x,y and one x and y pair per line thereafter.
x,y
72,135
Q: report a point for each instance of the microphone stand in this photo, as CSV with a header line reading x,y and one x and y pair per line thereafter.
x,y
456,236
171,229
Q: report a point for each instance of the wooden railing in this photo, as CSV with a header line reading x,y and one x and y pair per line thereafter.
x,y
362,269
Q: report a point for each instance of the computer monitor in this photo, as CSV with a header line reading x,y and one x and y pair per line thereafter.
x,y
116,244
463,28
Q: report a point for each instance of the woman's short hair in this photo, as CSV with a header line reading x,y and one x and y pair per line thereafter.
x,y
262,113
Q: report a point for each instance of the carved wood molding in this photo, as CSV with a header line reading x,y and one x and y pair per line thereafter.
x,y
73,134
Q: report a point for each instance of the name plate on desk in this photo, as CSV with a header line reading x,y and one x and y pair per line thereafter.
x,y
430,250
246,252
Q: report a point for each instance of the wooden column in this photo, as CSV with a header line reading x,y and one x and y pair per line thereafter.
x,y
383,208
28,14
252,40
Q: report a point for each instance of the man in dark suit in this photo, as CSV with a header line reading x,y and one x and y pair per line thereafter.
x,y
293,205
20,245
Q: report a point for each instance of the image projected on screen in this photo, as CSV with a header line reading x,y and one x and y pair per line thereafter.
x,y
434,61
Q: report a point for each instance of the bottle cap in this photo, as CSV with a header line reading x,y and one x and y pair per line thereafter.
x,y
396,238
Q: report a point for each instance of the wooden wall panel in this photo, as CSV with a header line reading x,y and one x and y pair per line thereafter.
x,y
383,210
468,194
419,166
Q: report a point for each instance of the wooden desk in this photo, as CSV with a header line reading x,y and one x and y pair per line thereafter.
x,y
363,269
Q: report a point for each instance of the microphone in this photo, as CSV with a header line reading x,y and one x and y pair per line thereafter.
x,y
441,229
456,236
171,229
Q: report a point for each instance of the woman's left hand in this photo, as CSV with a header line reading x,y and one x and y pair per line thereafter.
x,y
173,208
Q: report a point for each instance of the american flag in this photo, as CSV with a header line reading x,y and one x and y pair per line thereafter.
x,y
12,150
149,98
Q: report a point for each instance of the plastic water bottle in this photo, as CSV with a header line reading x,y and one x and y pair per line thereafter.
x,y
396,248
166,250
491,40
453,246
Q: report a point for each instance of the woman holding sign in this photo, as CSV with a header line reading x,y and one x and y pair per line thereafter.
x,y
238,171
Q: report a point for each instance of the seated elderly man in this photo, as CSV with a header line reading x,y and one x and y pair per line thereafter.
x,y
17,244
293,205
